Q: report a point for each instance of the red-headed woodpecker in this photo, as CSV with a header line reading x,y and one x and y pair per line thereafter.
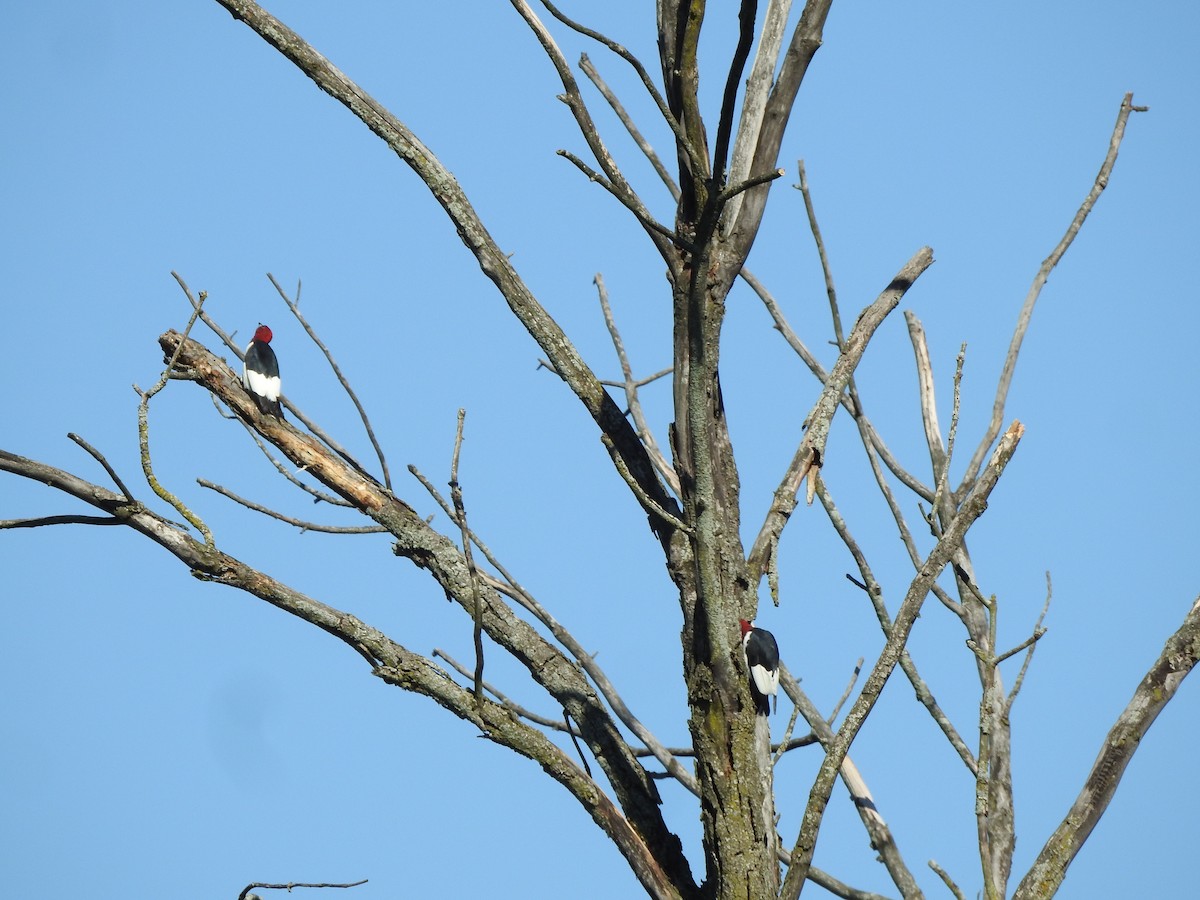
x,y
260,374
762,657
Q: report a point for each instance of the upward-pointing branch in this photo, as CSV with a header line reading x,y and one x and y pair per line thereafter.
x,y
1039,281
806,40
812,447
754,100
732,82
1178,658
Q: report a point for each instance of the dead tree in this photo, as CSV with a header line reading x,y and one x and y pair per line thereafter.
x,y
688,489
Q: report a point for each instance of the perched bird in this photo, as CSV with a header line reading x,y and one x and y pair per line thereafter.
x,y
762,656
260,372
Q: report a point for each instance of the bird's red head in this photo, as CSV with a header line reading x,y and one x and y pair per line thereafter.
x,y
746,626
263,334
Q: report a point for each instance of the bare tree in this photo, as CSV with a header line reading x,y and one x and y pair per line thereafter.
x,y
688,489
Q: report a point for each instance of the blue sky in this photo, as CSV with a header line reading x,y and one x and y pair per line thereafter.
x,y
164,737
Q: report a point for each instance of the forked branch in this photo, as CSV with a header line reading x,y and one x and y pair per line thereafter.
x,y
971,508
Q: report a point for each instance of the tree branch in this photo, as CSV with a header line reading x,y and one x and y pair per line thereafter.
x,y
1179,656
639,211
460,515
392,662
732,81
143,420
297,413
1037,627
298,523
806,40
616,184
812,447
437,554
589,69
860,795
587,662
972,507
99,457
294,307
630,386
908,666
754,99
59,520
1039,281
851,402
245,894
622,52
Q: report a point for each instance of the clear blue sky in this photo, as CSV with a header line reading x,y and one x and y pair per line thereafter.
x,y
167,738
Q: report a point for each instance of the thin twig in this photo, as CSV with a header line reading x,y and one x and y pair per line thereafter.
x,y
226,338
143,419
631,391
1039,281
575,740
589,69
294,307
784,745
775,311
734,190
615,181
299,523
1016,688
294,884
511,588
637,382
647,81
846,693
460,515
1025,644
874,593
318,496
638,491
947,880
297,413
638,210
100,458
833,885
504,699
826,270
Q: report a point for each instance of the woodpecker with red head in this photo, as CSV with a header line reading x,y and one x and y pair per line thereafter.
x,y
762,658
260,372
